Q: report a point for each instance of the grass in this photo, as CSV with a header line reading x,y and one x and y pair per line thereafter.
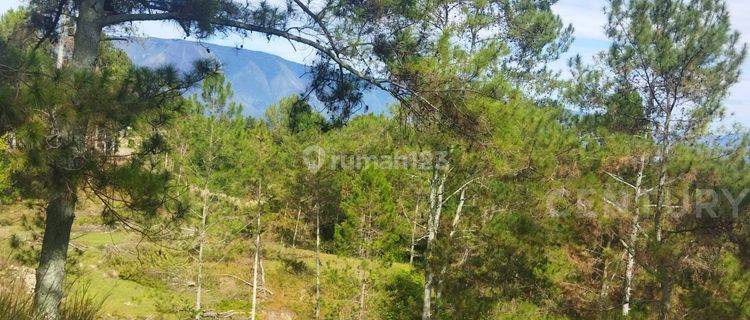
x,y
16,303
140,280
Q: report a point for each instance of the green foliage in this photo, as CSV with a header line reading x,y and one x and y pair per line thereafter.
x,y
295,266
399,294
528,228
697,59
69,126
171,304
340,289
368,211
5,169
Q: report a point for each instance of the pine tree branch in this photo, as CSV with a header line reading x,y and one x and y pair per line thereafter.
x,y
133,17
315,44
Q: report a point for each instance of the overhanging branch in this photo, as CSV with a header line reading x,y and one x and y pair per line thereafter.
x,y
133,17
329,52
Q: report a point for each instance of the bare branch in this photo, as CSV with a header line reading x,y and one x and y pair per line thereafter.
x,y
620,180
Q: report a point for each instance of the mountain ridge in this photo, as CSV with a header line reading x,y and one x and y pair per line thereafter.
x,y
259,79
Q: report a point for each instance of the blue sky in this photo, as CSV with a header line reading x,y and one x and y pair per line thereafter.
x,y
586,16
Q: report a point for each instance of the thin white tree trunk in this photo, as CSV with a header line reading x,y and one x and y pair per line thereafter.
x,y
457,217
201,245
256,260
665,303
317,262
364,256
631,247
604,289
296,227
413,234
433,223
454,228
204,218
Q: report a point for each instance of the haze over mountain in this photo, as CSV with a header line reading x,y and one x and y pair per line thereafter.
x,y
259,79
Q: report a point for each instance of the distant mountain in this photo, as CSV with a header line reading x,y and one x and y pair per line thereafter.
x,y
259,79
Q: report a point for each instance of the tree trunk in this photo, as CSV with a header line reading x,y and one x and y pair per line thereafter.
x,y
201,245
60,49
50,275
317,262
413,234
364,256
457,216
296,227
427,298
88,34
209,159
665,305
256,260
630,264
454,229
362,294
661,270
433,223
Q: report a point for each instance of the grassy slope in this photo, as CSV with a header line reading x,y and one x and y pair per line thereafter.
x,y
147,289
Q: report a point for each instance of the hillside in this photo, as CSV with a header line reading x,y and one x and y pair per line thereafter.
x,y
138,279
259,79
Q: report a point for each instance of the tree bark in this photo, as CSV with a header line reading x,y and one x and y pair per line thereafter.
x,y
364,256
457,216
256,260
630,264
296,227
50,274
665,304
317,262
88,34
201,245
60,49
454,229
413,234
433,223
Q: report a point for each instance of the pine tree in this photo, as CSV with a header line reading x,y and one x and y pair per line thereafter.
x,y
69,126
664,79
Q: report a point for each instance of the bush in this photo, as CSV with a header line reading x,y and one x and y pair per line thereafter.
x,y
399,294
16,303
142,269
294,265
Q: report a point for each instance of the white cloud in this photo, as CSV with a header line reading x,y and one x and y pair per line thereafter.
x,y
586,16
